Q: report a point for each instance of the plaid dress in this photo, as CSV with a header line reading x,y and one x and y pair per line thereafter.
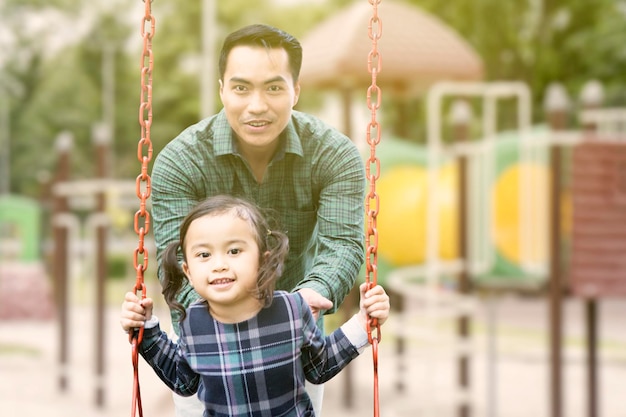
x,y
256,368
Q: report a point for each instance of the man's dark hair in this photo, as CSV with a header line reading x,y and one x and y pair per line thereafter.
x,y
267,37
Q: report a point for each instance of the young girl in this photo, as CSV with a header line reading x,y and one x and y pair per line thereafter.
x,y
245,348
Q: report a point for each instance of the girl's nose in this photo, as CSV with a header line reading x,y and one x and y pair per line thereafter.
x,y
219,263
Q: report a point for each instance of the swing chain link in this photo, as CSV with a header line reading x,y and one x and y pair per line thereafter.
x,y
372,203
143,184
143,188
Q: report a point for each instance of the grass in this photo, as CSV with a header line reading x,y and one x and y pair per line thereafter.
x,y
12,349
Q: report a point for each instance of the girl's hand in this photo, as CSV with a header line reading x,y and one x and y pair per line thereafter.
x,y
135,312
374,304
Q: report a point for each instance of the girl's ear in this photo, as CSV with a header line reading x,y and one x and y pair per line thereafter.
x,y
265,258
186,272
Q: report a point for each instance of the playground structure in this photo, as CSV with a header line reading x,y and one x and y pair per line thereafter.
x,y
466,218
456,216
25,290
90,220
430,273
422,262
83,247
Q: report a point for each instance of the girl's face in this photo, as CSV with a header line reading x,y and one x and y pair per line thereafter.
x,y
222,263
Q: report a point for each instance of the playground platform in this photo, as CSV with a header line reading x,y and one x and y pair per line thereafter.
x,y
514,384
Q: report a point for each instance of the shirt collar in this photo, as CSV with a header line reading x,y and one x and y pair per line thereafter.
x,y
224,140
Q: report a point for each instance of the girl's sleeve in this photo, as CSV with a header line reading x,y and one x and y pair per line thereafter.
x,y
168,362
323,357
353,329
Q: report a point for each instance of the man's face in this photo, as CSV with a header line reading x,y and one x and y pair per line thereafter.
x,y
258,94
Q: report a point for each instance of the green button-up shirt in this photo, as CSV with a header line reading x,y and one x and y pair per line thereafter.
x,y
314,186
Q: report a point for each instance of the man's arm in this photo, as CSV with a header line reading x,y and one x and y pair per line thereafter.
x,y
340,216
173,196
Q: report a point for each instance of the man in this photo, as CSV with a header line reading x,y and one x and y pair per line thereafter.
x,y
308,174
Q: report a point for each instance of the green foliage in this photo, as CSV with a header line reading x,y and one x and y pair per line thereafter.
x,y
51,93
72,99
571,41
118,267
540,42
10,6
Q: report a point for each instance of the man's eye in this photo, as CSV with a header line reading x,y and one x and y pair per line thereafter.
x,y
239,88
274,88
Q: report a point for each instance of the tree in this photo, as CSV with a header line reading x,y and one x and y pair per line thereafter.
x,y
21,79
60,89
570,41
50,90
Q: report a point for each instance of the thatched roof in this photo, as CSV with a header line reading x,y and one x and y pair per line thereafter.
x,y
417,49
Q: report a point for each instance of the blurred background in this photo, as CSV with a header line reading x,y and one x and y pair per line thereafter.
x,y
502,186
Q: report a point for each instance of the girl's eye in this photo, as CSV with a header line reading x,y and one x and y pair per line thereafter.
x,y
234,251
203,255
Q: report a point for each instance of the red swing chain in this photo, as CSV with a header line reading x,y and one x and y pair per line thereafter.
x,y
143,192
374,64
142,216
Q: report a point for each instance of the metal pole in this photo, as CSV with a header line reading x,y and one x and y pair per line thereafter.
x,y
208,72
399,304
556,106
101,139
64,143
5,145
592,97
460,118
591,321
492,355
108,94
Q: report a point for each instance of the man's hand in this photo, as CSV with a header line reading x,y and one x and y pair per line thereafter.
x,y
316,302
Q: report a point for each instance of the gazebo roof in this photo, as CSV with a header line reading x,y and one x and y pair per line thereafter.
x,y
417,49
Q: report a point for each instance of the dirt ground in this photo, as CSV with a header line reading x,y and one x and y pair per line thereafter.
x,y
508,355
